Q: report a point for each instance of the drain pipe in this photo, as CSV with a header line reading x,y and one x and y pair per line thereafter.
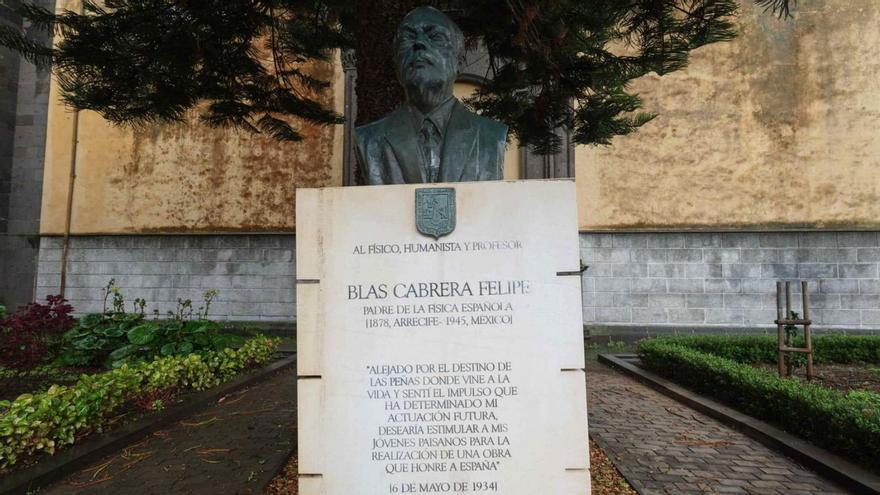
x,y
69,213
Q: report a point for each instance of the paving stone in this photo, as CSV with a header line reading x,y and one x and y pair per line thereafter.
x,y
644,433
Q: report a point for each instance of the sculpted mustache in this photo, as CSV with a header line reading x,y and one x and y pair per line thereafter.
x,y
421,57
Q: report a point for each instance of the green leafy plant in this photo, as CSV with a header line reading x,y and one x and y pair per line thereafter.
x,y
43,422
754,349
616,345
117,337
2,312
791,331
847,423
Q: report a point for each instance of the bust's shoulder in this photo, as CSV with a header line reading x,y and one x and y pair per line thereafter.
x,y
488,126
378,128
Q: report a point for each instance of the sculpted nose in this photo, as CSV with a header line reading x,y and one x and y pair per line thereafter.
x,y
418,45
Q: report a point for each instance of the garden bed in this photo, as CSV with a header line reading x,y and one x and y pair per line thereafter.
x,y
842,377
735,370
110,443
37,424
14,383
68,379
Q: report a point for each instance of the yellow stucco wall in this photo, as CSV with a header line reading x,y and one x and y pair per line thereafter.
x,y
777,129
189,177
183,177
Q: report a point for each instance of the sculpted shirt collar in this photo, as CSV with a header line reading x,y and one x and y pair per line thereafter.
x,y
439,115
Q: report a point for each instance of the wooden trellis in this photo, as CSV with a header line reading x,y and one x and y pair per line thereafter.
x,y
785,317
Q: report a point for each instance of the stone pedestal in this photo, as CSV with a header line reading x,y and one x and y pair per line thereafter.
x,y
450,365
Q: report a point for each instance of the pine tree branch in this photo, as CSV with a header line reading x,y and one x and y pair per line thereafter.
x,y
780,8
251,62
32,51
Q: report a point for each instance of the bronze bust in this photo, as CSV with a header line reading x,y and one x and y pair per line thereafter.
x,y
432,137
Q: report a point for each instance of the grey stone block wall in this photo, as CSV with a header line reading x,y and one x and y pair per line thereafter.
x,y
254,274
642,280
24,103
729,279
9,63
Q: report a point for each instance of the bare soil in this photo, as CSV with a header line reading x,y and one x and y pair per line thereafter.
x,y
606,479
840,376
37,381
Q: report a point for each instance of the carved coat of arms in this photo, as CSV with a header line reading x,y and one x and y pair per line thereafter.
x,y
435,211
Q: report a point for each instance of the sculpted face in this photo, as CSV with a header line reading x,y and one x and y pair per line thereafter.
x,y
429,48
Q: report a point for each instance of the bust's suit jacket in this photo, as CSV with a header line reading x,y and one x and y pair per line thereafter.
x,y
388,150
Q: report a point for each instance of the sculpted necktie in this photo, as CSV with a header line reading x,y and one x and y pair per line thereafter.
x,y
431,147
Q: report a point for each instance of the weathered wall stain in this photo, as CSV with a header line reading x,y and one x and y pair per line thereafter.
x,y
776,129
188,177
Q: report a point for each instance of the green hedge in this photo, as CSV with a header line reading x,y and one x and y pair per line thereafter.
x,y
753,349
35,423
847,423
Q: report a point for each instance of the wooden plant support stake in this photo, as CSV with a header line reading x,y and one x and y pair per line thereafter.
x,y
785,317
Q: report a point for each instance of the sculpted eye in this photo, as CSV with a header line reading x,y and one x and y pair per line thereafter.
x,y
408,34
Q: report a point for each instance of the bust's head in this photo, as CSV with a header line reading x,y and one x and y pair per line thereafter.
x,y
429,53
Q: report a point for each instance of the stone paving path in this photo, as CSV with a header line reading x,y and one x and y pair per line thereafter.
x,y
663,447
233,447
660,445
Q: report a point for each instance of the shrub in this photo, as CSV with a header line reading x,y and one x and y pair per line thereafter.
x,y
29,337
753,349
848,423
116,337
36,423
